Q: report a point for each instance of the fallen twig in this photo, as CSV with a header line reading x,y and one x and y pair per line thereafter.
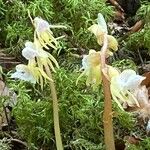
x,y
19,141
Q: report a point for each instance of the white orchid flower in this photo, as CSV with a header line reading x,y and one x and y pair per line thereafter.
x,y
37,60
31,74
44,34
23,73
33,50
41,25
92,69
99,30
123,87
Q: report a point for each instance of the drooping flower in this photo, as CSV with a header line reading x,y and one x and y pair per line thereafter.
x,y
29,52
23,73
38,59
124,86
31,74
34,50
44,34
92,69
99,30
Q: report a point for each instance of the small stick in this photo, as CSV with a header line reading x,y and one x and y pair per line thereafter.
x,y
19,141
141,59
5,111
30,18
9,129
115,3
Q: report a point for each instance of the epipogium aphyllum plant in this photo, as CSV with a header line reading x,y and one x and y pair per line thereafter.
x,y
40,64
122,87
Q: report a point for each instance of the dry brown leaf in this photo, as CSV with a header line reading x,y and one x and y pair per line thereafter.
x,y
119,16
133,139
5,91
11,101
142,97
116,4
138,26
2,86
3,119
146,82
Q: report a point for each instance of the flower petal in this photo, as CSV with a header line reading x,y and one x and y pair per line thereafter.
x,y
112,43
23,73
102,23
29,53
134,81
96,29
124,76
41,25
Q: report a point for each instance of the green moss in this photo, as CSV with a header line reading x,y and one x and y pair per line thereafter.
x,y
16,26
140,40
34,119
81,108
5,144
80,114
124,64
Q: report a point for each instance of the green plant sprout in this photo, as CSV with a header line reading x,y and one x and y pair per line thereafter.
x,y
40,65
121,86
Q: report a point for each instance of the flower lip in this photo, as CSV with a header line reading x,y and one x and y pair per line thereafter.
x,y
41,25
23,73
29,53
85,64
129,80
101,22
90,60
133,82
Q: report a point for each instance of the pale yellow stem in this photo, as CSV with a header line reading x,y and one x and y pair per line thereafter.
x,y
107,115
55,111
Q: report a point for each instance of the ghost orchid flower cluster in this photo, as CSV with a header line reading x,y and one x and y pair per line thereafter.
x,y
97,71
40,64
125,88
37,58
91,63
99,30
